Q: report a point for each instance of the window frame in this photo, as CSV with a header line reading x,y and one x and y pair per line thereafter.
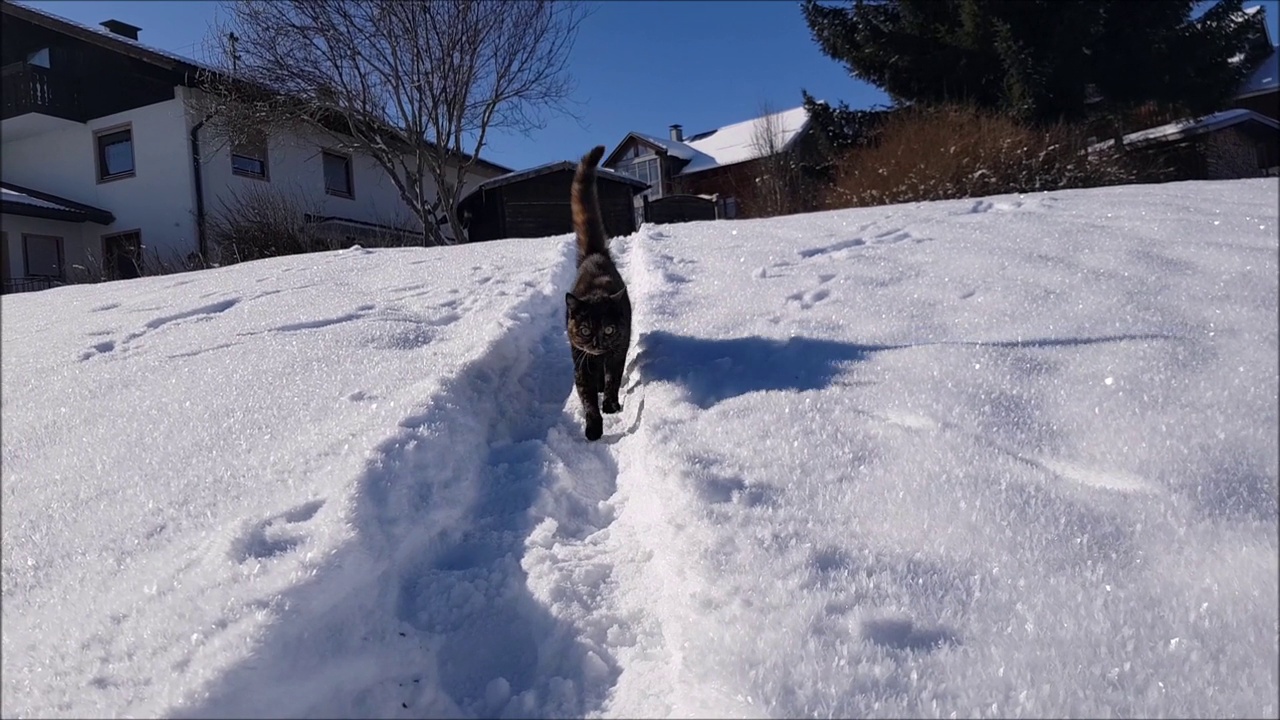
x,y
100,156
256,143
110,272
62,258
351,175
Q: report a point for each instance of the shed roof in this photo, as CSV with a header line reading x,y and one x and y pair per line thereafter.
x,y
1189,127
18,200
602,173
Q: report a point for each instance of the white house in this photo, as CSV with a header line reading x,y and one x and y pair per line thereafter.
x,y
103,154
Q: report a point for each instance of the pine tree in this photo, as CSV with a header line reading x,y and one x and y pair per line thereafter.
x,y
1041,59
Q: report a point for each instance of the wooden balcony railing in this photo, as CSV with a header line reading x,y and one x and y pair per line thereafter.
x,y
33,89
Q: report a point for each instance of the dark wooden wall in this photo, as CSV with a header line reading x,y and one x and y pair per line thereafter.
x,y
680,208
539,207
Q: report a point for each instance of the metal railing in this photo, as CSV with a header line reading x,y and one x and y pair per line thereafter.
x,y
28,284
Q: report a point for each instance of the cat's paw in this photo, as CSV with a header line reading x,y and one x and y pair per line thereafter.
x,y
611,406
595,427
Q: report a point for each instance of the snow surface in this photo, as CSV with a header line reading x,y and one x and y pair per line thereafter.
x,y
736,143
1011,456
673,148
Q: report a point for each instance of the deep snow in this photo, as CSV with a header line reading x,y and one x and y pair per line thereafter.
x,y
1011,456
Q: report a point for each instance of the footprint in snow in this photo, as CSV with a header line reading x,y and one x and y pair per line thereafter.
x,y
276,535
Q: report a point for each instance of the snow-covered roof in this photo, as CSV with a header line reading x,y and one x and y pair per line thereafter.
x,y
18,200
736,143
1189,127
1265,77
673,148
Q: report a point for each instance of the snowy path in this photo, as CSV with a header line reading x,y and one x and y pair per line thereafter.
x,y
1013,456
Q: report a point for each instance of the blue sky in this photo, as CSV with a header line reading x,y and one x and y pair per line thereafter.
x,y
638,65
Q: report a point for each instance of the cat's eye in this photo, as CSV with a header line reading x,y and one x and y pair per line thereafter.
x,y
608,329
584,330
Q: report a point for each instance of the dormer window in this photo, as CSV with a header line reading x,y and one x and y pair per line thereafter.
x,y
39,58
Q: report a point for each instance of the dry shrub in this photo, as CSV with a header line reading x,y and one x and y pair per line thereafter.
x,y
951,152
262,221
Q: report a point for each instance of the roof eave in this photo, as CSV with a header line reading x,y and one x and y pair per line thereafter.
x,y
9,207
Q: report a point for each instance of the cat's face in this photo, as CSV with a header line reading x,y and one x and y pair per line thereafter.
x,y
598,326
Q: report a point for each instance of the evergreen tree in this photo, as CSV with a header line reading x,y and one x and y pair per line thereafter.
x,y
1041,59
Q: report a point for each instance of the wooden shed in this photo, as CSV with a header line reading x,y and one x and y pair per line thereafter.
x,y
535,203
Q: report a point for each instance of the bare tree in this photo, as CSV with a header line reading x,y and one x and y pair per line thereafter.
x,y
417,86
777,172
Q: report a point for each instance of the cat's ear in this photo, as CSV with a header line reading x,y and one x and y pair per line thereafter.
x,y
571,302
619,295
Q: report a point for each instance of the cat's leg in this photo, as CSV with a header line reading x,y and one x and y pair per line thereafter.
x,y
595,421
585,382
613,369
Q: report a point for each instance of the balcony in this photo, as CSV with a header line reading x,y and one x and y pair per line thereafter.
x,y
36,100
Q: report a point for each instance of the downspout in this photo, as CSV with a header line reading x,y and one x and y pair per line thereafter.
x,y
201,241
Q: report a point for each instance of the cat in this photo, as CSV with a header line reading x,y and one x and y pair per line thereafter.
x,y
597,309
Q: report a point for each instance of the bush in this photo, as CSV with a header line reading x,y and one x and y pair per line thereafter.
x,y
951,152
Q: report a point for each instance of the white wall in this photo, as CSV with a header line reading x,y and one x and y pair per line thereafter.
x,y
157,199
295,166
80,242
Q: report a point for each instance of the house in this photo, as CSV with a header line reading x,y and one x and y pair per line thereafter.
x,y
1261,90
106,163
1234,143
735,164
535,203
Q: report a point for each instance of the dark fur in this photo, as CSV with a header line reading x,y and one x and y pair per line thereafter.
x,y
597,310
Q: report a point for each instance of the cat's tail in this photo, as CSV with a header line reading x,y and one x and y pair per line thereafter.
x,y
587,223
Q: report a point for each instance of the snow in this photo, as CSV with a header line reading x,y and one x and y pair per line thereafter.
x,y
16,197
1010,456
736,143
673,148
1189,127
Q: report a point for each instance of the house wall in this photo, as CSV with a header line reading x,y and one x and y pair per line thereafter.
x,y
1265,104
295,167
81,244
156,200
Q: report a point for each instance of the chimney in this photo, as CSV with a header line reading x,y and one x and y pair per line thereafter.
x,y
123,29
677,133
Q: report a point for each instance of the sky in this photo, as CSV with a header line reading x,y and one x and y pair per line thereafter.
x,y
637,65
1012,456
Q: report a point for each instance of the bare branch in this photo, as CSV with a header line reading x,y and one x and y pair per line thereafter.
x,y
416,86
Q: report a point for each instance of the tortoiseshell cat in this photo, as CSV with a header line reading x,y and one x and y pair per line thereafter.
x,y
597,310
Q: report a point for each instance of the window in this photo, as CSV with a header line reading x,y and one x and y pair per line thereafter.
x,y
122,255
115,154
43,254
337,174
249,157
729,208
645,171
39,58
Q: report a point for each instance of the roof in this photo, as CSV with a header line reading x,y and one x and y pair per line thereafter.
x,y
106,38
723,146
18,200
735,143
1189,127
603,173
1265,78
